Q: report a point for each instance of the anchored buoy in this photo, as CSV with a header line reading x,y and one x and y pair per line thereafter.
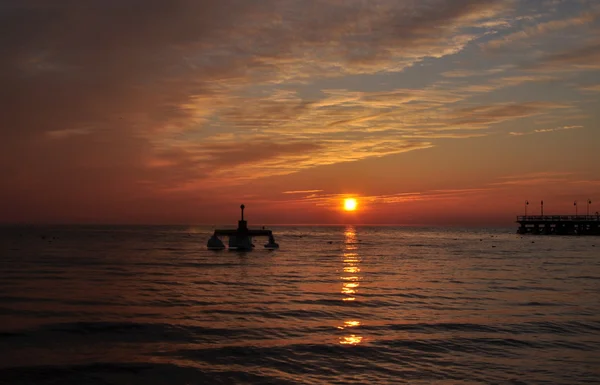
x,y
214,243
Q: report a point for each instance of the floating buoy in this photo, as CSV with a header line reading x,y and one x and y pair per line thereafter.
x,y
214,243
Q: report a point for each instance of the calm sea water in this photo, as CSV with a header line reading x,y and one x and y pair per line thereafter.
x,y
335,305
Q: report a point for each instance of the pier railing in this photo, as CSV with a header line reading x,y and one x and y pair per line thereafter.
x,y
557,218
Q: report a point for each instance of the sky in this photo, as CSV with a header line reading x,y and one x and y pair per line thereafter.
x,y
428,112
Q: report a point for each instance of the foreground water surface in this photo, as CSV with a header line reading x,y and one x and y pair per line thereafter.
x,y
335,305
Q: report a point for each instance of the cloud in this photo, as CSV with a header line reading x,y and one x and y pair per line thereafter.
x,y
329,152
352,125
462,73
428,195
331,200
228,162
586,57
557,129
148,72
545,130
590,88
139,99
538,174
485,115
534,178
301,191
504,186
58,134
540,29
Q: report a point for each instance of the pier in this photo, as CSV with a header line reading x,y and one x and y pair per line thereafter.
x,y
559,224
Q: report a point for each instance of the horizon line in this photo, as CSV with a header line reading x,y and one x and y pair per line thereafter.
x,y
39,224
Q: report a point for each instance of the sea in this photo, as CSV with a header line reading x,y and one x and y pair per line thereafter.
x,y
333,305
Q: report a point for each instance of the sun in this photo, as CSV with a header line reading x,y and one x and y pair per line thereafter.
x,y
349,204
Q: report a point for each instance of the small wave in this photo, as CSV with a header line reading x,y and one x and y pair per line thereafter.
x,y
115,331
340,303
19,299
592,277
10,334
556,328
130,373
539,304
446,327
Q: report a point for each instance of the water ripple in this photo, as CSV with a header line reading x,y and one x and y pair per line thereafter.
x,y
149,305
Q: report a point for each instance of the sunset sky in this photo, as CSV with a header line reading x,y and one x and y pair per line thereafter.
x,y
434,112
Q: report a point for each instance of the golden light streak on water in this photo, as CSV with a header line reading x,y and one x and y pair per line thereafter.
x,y
347,290
349,324
352,339
350,282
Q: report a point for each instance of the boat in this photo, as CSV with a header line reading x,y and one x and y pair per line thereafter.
x,y
240,239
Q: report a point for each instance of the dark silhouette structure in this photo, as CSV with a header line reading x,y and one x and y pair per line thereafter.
x,y
559,224
241,238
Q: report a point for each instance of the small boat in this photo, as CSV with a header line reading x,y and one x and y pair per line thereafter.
x,y
240,239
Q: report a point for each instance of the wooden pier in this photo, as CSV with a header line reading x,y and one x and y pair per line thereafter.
x,y
559,224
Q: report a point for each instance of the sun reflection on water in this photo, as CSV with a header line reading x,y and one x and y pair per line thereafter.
x,y
351,340
350,282
349,324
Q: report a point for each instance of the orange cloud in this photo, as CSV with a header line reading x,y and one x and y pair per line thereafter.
x,y
543,130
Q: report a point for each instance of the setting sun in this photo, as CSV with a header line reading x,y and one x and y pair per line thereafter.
x,y
350,204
